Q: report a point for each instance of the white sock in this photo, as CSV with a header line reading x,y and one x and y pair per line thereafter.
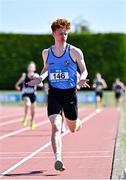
x,y
58,156
63,128
79,124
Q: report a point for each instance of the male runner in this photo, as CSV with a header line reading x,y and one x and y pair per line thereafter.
x,y
61,61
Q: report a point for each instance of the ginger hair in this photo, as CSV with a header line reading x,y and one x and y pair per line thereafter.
x,y
60,23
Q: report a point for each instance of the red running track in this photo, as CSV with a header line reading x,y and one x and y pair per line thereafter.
x,y
87,154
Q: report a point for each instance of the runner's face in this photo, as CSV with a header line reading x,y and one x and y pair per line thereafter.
x,y
60,35
31,68
98,76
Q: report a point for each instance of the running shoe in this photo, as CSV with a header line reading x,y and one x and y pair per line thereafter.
x,y
98,110
24,122
59,166
32,125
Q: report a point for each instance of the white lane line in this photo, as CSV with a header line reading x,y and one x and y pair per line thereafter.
x,y
40,149
19,119
22,130
18,112
51,157
10,122
11,114
64,152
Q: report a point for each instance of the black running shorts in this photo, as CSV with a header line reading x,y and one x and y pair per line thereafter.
x,y
117,95
63,100
99,93
32,97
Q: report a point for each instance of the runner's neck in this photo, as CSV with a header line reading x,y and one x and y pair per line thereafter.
x,y
60,47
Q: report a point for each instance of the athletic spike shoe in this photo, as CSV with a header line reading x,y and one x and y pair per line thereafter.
x,y
32,125
24,122
98,110
59,166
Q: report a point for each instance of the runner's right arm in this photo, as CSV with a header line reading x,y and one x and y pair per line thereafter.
x,y
20,81
44,72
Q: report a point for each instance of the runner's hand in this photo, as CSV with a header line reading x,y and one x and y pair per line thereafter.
x,y
18,88
83,83
35,81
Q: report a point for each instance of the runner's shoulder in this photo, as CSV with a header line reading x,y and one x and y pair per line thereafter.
x,y
23,76
75,50
45,53
102,80
36,75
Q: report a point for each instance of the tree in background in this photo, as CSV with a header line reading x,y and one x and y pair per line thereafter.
x,y
81,25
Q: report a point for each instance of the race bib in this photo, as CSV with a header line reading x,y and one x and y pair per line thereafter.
x,y
59,76
28,90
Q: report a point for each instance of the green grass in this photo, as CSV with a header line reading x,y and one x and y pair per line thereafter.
x,y
19,104
108,98
123,135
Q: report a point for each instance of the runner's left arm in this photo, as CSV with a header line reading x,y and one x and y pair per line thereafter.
x,y
79,58
104,84
44,72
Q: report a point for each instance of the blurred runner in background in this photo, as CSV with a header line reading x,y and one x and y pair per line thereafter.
x,y
28,93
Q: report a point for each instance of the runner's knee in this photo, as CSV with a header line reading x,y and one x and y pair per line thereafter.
x,y
74,125
27,101
56,121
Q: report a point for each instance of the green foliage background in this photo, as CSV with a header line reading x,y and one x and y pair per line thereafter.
x,y
104,53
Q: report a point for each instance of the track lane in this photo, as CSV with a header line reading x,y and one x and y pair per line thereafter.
x,y
28,141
